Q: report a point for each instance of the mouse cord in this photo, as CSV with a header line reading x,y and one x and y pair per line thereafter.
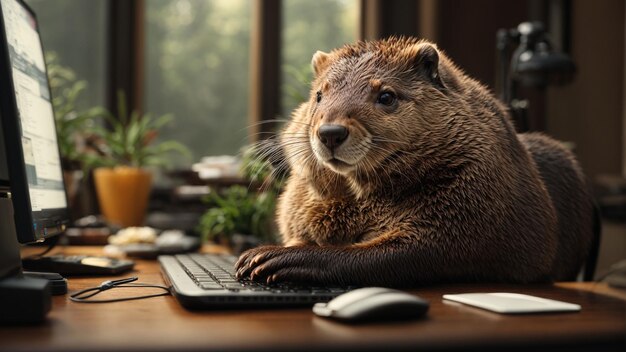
x,y
52,242
83,296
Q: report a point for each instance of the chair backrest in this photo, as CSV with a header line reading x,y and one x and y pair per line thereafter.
x,y
592,257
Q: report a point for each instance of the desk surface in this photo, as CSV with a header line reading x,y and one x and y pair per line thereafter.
x,y
162,324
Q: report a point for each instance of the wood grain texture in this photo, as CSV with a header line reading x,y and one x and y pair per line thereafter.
x,y
162,324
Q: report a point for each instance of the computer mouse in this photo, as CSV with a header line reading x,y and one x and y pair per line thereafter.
x,y
373,304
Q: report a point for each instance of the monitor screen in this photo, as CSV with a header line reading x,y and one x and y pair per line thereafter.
x,y
31,140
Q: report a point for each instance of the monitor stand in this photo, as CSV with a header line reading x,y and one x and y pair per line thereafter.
x,y
23,300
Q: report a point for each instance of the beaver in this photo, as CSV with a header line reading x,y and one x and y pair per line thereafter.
x,y
406,172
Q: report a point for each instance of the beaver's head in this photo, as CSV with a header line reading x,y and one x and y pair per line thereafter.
x,y
370,104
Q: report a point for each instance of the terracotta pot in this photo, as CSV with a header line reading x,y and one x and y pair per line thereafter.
x,y
123,194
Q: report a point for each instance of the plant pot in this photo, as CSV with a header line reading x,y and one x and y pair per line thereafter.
x,y
123,194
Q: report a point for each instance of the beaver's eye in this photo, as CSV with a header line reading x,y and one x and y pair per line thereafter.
x,y
386,98
318,97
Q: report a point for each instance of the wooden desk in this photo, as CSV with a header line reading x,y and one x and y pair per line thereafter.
x,y
162,324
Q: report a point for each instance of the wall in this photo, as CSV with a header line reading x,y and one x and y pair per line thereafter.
x,y
466,31
590,111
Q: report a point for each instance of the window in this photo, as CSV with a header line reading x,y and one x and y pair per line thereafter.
x,y
309,26
196,61
75,30
197,58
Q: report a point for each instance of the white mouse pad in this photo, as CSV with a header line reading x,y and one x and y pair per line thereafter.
x,y
510,303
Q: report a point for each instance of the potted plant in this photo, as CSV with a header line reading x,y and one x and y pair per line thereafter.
x,y
71,122
123,151
240,217
238,211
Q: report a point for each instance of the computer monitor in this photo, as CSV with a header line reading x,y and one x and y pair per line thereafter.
x,y
4,168
33,157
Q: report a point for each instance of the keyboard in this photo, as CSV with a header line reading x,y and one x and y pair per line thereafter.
x,y
208,281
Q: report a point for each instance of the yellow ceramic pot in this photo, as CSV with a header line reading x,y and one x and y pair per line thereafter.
x,y
123,194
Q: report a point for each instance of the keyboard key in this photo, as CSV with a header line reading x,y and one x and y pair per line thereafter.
x,y
211,286
252,288
230,282
205,279
203,275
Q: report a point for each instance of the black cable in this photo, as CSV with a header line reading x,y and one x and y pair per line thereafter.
x,y
52,242
84,295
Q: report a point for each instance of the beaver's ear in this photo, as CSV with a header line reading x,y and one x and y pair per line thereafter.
x,y
425,59
320,62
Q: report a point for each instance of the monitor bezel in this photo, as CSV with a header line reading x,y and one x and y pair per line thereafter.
x,y
4,182
53,221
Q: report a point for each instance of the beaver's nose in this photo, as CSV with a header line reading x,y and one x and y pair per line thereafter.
x,y
332,135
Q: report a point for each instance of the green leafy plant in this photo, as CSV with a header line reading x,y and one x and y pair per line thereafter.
x,y
71,122
94,137
239,210
242,210
130,140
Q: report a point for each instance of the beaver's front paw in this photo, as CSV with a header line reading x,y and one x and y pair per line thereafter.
x,y
272,264
250,258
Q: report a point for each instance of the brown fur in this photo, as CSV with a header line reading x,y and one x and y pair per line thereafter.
x,y
436,187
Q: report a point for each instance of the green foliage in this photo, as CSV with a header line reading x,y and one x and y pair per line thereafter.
x,y
239,210
130,139
70,121
83,139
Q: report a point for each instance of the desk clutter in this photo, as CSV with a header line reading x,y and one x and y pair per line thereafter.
x,y
146,242
598,323
137,242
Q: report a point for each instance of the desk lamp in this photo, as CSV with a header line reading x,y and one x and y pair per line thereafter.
x,y
532,64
